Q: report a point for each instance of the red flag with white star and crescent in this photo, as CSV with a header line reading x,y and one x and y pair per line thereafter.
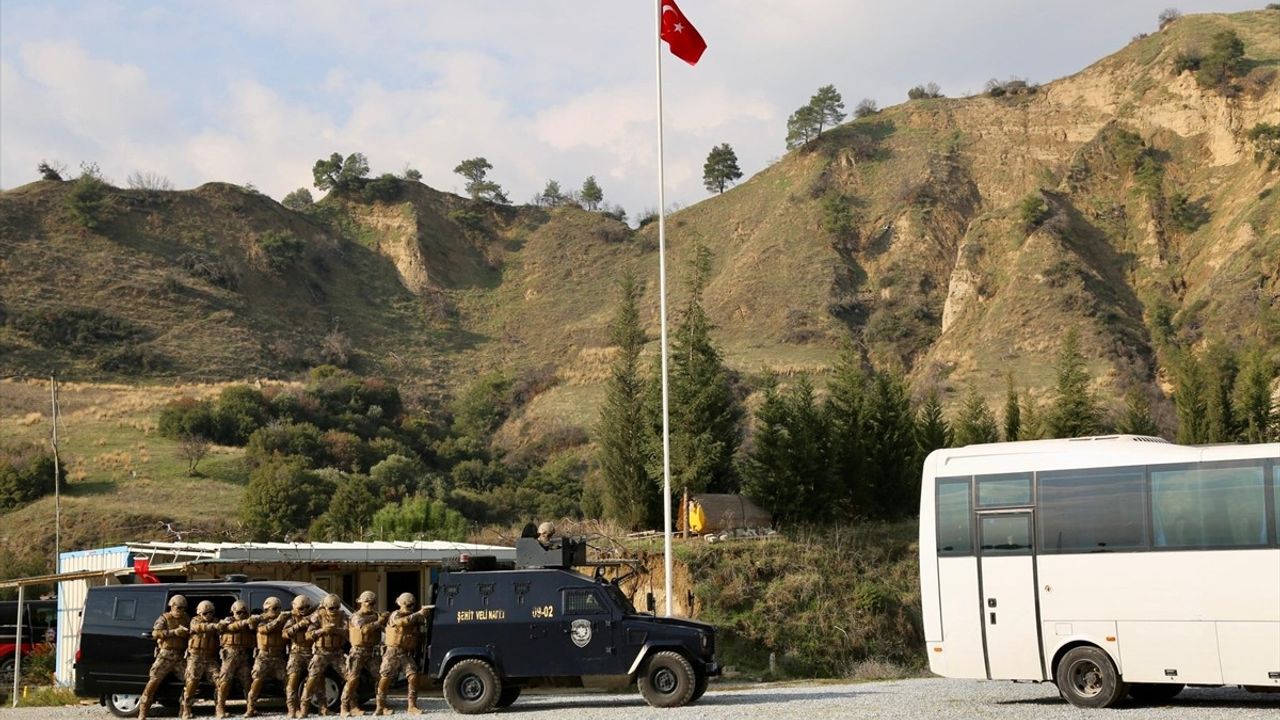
x,y
680,35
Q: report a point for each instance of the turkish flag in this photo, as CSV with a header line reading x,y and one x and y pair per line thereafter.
x,y
680,35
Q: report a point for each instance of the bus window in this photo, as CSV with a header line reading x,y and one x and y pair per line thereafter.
x,y
1207,506
954,534
1006,489
1006,535
1092,510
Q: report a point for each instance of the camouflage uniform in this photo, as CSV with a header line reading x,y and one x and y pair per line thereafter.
x,y
404,635
365,628
328,630
296,625
202,655
237,654
170,632
269,661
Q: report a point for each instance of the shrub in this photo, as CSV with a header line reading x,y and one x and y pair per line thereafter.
x,y
925,92
1185,214
187,417
26,474
865,108
281,439
467,219
282,498
1168,15
132,358
213,269
335,348
87,201
1033,211
51,171
1266,144
482,406
1185,62
280,250
837,219
1224,61
148,181
75,327
299,199
419,516
239,412
385,188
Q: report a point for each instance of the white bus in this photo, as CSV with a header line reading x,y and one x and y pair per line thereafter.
x,y
1109,565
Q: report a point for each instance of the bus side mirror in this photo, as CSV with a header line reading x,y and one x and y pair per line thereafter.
x,y
649,603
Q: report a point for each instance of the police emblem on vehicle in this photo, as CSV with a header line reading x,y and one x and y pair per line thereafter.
x,y
580,632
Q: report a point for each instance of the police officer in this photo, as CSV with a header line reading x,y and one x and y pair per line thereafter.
x,y
269,661
365,628
237,648
404,634
546,531
296,624
202,654
328,631
170,631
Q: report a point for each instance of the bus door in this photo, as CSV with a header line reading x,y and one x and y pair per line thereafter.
x,y
1007,589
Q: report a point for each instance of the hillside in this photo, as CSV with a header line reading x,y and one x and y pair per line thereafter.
x,y
1152,227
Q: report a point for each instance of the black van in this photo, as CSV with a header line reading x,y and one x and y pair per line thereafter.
x,y
116,648
497,631
39,623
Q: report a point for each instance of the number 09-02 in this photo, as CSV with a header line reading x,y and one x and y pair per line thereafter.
x,y
544,611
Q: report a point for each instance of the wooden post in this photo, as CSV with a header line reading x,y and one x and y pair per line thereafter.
x,y
684,513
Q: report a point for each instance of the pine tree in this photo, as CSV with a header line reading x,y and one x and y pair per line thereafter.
x,y
803,126
845,410
705,416
976,424
932,430
1189,399
1254,409
1220,378
1012,411
721,168
890,427
1136,418
788,471
1074,412
591,195
828,107
1032,426
630,498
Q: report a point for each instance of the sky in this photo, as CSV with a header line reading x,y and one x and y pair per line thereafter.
x,y
256,91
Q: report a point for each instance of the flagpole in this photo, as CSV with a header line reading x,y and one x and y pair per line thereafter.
x,y
662,313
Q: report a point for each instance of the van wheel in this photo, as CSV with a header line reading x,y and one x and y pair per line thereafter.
x,y
6,672
668,680
1154,692
472,687
509,695
1088,678
699,686
123,704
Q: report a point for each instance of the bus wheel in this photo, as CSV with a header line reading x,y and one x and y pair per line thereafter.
x,y
1087,678
1154,692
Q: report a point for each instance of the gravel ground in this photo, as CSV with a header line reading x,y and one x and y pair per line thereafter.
x,y
922,698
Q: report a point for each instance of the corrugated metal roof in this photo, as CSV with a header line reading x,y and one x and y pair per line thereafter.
x,y
371,551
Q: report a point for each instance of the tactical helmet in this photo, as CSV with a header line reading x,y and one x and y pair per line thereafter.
x,y
205,608
239,608
406,601
367,597
272,604
547,528
301,603
331,602
177,602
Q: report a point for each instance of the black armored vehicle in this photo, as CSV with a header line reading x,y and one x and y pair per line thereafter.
x,y
497,631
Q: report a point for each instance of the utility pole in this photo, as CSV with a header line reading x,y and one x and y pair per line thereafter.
x,y
57,491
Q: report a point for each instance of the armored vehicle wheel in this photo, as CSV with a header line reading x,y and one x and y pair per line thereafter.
x,y
699,686
668,680
509,696
472,687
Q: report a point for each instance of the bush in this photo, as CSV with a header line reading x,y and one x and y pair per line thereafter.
x,y
482,406
187,417
133,359
1185,214
26,474
281,439
385,188
1168,15
1223,63
210,268
280,250
837,219
467,219
865,108
87,201
1266,144
51,171
1033,211
239,412
282,498
1185,62
74,328
299,199
925,92
419,517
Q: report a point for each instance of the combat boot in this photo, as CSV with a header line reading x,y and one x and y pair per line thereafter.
x,y
255,690
220,704
413,700
384,684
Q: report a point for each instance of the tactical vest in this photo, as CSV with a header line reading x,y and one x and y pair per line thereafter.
x,y
330,641
173,622
295,629
270,639
204,639
364,630
237,635
403,635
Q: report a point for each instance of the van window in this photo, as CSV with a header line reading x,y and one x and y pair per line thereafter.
x,y
222,602
258,597
125,609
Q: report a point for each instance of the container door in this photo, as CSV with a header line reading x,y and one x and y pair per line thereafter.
x,y
1007,589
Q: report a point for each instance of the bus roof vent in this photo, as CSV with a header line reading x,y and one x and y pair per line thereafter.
x,y
1130,438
